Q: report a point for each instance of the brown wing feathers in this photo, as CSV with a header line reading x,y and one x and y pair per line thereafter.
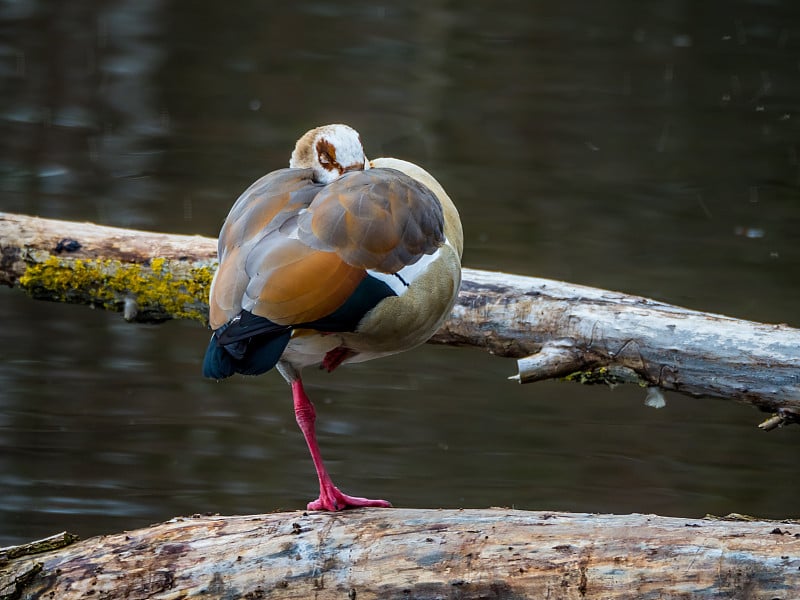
x,y
258,210
261,209
292,283
377,219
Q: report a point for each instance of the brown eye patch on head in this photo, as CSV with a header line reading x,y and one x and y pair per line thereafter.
x,y
327,154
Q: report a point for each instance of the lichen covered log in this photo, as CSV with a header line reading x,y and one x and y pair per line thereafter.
x,y
150,277
154,290
553,329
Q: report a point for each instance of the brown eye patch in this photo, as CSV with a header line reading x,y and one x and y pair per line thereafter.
x,y
327,154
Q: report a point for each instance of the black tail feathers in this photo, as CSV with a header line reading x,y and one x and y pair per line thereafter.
x,y
252,356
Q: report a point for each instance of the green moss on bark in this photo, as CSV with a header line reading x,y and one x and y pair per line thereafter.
x,y
160,290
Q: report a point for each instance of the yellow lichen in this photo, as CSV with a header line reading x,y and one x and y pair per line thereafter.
x,y
161,290
611,376
589,377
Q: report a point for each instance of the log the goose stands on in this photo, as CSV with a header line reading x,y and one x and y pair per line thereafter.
x,y
334,260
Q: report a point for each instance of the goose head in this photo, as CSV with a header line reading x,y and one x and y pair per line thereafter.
x,y
330,151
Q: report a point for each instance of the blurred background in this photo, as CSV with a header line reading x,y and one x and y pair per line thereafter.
x,y
652,148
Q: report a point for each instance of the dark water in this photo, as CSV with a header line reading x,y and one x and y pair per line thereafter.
x,y
647,147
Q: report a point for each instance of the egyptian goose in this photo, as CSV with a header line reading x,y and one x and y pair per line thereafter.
x,y
334,260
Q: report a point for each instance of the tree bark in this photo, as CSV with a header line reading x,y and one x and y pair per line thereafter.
x,y
554,329
422,554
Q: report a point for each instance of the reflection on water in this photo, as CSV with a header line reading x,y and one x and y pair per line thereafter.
x,y
80,113
648,149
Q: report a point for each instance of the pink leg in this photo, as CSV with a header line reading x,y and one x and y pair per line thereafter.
x,y
330,498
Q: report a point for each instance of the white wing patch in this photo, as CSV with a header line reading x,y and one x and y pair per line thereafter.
x,y
400,281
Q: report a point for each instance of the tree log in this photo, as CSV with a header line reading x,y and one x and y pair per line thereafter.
x,y
421,554
554,329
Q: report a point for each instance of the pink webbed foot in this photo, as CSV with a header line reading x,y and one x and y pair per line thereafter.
x,y
332,499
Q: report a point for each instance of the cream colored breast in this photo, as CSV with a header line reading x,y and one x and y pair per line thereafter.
x,y
402,322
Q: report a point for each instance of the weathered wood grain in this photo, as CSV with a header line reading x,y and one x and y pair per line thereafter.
x,y
422,554
557,329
